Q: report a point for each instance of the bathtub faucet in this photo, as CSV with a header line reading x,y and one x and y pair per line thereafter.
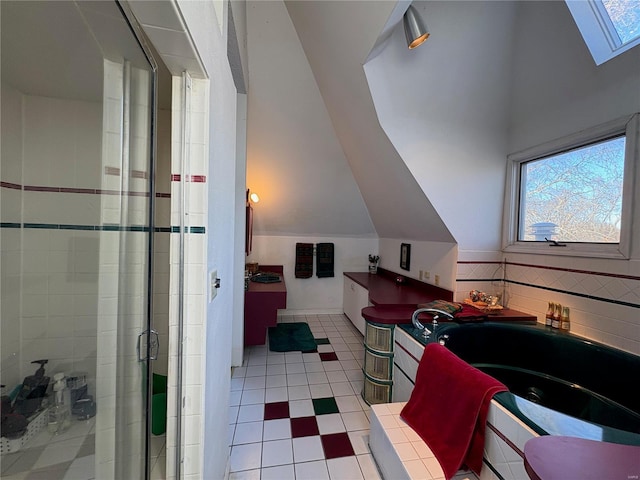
x,y
436,315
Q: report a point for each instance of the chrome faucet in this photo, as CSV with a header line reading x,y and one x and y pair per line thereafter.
x,y
436,315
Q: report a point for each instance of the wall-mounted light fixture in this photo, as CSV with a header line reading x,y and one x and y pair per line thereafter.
x,y
254,197
414,28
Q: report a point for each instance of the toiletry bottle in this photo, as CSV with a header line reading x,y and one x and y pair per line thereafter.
x,y
60,413
555,323
548,318
565,323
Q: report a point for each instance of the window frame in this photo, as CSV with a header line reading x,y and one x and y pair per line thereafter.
x,y
597,30
628,126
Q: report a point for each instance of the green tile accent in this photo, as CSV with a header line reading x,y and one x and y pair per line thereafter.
x,y
324,406
322,341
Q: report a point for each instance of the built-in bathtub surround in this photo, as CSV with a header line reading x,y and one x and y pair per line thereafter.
x,y
604,305
187,300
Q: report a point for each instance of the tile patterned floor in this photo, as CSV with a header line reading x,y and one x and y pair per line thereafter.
x,y
67,456
300,415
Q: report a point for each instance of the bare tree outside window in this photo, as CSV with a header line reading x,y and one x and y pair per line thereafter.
x,y
578,191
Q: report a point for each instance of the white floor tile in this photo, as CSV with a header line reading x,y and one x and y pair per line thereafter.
x,y
331,423
293,357
359,441
306,449
251,413
301,408
314,367
337,376
317,377
294,368
253,383
312,470
320,391
311,357
344,468
278,394
282,472
299,392
279,429
250,432
348,404
297,379
332,366
256,371
274,360
257,360
355,421
277,452
341,389
246,475
59,452
325,348
251,397
368,467
276,381
245,457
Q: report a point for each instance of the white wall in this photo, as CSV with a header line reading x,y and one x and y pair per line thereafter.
x,y
444,107
437,258
314,295
221,234
294,159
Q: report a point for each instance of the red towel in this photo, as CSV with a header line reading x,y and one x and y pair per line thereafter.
x,y
448,408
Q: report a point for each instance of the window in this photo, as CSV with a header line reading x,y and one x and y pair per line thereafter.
x,y
608,27
573,196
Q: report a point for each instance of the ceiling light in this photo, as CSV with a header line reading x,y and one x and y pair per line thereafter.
x,y
414,28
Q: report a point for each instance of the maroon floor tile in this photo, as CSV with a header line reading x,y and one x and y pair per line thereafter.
x,y
276,410
328,356
304,427
336,445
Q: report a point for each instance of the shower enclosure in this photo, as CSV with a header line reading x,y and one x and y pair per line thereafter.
x,y
77,237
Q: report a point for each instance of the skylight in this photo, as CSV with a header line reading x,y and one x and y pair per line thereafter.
x,y
608,27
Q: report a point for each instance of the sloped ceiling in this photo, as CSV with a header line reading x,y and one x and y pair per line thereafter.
x,y
337,38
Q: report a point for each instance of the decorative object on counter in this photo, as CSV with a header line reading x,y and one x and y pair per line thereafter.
x,y
291,337
304,260
373,263
565,323
324,260
548,318
484,301
555,322
405,256
400,280
251,268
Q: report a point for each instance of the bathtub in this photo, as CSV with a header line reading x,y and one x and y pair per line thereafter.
x,y
559,384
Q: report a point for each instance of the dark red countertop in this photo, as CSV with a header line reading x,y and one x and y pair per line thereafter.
x,y
394,303
552,457
384,291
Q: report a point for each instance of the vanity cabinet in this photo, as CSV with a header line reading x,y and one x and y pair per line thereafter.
x,y
355,298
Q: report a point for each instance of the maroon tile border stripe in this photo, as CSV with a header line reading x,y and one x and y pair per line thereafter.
x,y
505,439
559,269
85,191
176,177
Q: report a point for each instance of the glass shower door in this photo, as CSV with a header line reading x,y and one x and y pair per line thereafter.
x,y
76,201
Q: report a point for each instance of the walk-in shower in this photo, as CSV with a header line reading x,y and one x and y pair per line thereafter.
x,y
77,199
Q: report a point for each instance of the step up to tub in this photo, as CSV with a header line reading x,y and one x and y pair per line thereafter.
x,y
398,450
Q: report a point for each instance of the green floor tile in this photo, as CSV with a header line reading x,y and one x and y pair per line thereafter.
x,y
324,406
322,341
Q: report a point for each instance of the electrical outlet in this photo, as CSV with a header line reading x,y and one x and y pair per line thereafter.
x,y
437,280
427,275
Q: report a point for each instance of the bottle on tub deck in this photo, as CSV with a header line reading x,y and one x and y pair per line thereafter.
x,y
548,318
565,323
557,312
